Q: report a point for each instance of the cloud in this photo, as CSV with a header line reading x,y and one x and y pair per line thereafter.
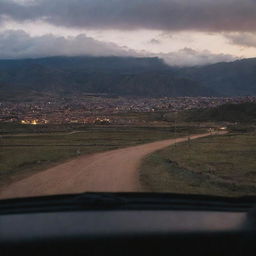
x,y
154,41
200,15
19,44
242,39
190,57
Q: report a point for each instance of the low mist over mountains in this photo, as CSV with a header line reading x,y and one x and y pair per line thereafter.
x,y
125,76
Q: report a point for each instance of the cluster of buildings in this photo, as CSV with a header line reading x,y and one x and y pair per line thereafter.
x,y
101,110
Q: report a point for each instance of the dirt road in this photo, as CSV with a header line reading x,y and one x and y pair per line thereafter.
x,y
111,171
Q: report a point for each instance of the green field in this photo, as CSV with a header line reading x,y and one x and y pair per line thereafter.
x,y
27,149
217,165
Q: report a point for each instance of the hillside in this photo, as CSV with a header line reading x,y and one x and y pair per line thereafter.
x,y
236,78
88,64
126,76
111,75
245,112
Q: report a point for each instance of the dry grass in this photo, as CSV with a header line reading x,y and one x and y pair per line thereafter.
x,y
219,165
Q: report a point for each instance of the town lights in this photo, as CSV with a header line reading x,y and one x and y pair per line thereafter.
x,y
33,122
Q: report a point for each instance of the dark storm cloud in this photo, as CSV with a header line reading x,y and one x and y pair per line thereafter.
x,y
17,10
203,15
154,41
242,39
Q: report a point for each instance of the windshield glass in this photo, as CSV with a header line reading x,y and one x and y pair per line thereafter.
x,y
127,96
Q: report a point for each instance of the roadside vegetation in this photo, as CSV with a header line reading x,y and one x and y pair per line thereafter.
x,y
217,165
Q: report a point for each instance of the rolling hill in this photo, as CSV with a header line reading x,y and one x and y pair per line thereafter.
x,y
244,113
236,78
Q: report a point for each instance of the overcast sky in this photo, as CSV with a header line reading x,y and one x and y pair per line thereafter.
x,y
182,32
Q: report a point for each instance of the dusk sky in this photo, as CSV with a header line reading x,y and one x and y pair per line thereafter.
x,y
182,32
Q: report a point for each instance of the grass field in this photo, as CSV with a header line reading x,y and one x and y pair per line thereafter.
x,y
217,165
27,149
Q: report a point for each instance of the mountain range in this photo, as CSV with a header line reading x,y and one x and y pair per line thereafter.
x,y
126,76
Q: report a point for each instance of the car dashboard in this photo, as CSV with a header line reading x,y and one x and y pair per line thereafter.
x,y
116,230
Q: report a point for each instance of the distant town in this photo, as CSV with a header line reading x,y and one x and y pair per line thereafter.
x,y
101,110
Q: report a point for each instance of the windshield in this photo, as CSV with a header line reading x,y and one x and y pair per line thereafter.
x,y
127,96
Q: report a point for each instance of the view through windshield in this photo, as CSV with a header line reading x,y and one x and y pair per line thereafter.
x,y
127,96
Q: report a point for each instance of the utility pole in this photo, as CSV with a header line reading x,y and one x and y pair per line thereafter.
x,y
175,130
189,140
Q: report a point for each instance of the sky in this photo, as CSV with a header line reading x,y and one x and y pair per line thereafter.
x,y
182,32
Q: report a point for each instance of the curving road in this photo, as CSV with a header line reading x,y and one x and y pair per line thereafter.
x,y
111,171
